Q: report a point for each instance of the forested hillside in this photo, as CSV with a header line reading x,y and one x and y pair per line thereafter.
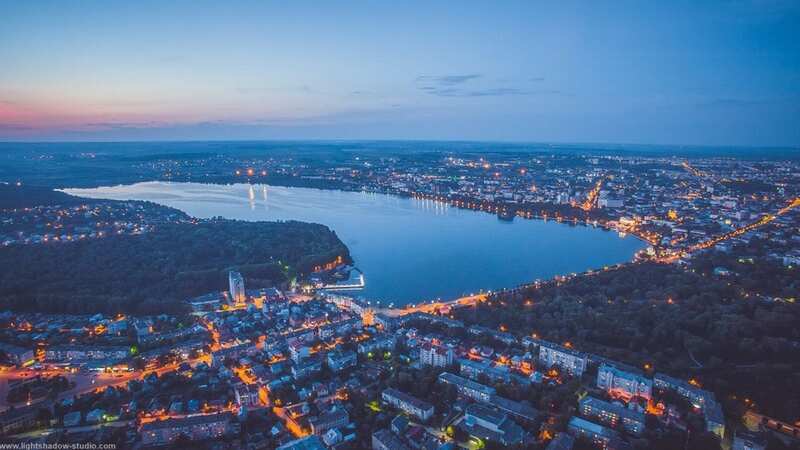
x,y
156,271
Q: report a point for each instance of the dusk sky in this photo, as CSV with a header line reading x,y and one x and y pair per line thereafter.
x,y
658,72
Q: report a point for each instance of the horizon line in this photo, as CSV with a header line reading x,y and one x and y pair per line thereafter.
x,y
387,140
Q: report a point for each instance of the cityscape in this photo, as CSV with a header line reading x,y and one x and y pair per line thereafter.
x,y
291,266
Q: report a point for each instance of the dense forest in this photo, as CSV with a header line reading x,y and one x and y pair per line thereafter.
x,y
13,197
678,321
156,271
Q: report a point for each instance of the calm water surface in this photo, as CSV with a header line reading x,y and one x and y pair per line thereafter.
x,y
409,250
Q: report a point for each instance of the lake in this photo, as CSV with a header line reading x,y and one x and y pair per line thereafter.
x,y
410,250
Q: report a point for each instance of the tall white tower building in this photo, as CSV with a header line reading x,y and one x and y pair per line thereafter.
x,y
236,283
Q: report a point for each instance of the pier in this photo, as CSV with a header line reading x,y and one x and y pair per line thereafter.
x,y
346,287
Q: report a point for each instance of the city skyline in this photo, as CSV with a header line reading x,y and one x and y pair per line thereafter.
x,y
721,73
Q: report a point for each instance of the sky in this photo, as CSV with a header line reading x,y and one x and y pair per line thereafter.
x,y
650,72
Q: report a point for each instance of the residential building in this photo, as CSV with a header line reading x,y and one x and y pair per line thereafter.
x,y
399,425
298,351
18,419
411,405
562,441
715,419
341,360
474,370
196,428
306,368
600,436
380,342
78,353
312,442
467,387
748,440
236,287
566,359
247,395
491,424
519,411
626,384
698,397
206,302
386,440
329,420
176,335
435,355
613,415
16,355
218,357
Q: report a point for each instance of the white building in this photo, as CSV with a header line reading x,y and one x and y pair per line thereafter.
x,y
611,414
411,405
571,361
467,387
236,284
436,355
623,383
298,351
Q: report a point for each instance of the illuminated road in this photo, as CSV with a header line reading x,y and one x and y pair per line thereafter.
x,y
692,170
84,382
431,308
80,429
762,221
591,198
